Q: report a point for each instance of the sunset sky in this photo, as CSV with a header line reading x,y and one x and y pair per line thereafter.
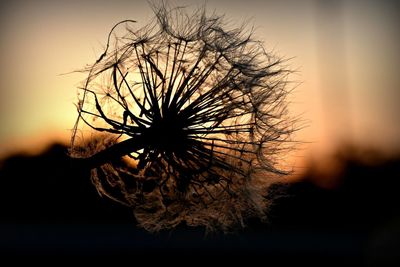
x,y
345,55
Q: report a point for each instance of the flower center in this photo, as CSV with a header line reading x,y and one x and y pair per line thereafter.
x,y
167,134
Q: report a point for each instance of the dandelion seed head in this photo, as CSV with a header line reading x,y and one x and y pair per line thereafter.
x,y
204,106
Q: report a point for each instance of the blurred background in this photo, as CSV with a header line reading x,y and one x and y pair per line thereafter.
x,y
344,53
346,60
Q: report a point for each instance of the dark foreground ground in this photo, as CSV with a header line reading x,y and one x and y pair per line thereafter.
x,y
48,209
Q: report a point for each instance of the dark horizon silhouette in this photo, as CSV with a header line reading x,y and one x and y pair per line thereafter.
x,y
52,204
49,207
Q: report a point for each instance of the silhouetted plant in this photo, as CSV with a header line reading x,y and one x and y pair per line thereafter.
x,y
194,120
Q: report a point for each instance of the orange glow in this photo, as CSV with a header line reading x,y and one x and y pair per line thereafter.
x,y
346,57
33,143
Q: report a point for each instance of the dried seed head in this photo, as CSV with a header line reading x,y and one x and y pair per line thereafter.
x,y
200,114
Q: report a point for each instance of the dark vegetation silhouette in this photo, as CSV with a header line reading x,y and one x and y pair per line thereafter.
x,y
194,119
49,207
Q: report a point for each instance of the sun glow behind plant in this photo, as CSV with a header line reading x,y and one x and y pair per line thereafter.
x,y
43,39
